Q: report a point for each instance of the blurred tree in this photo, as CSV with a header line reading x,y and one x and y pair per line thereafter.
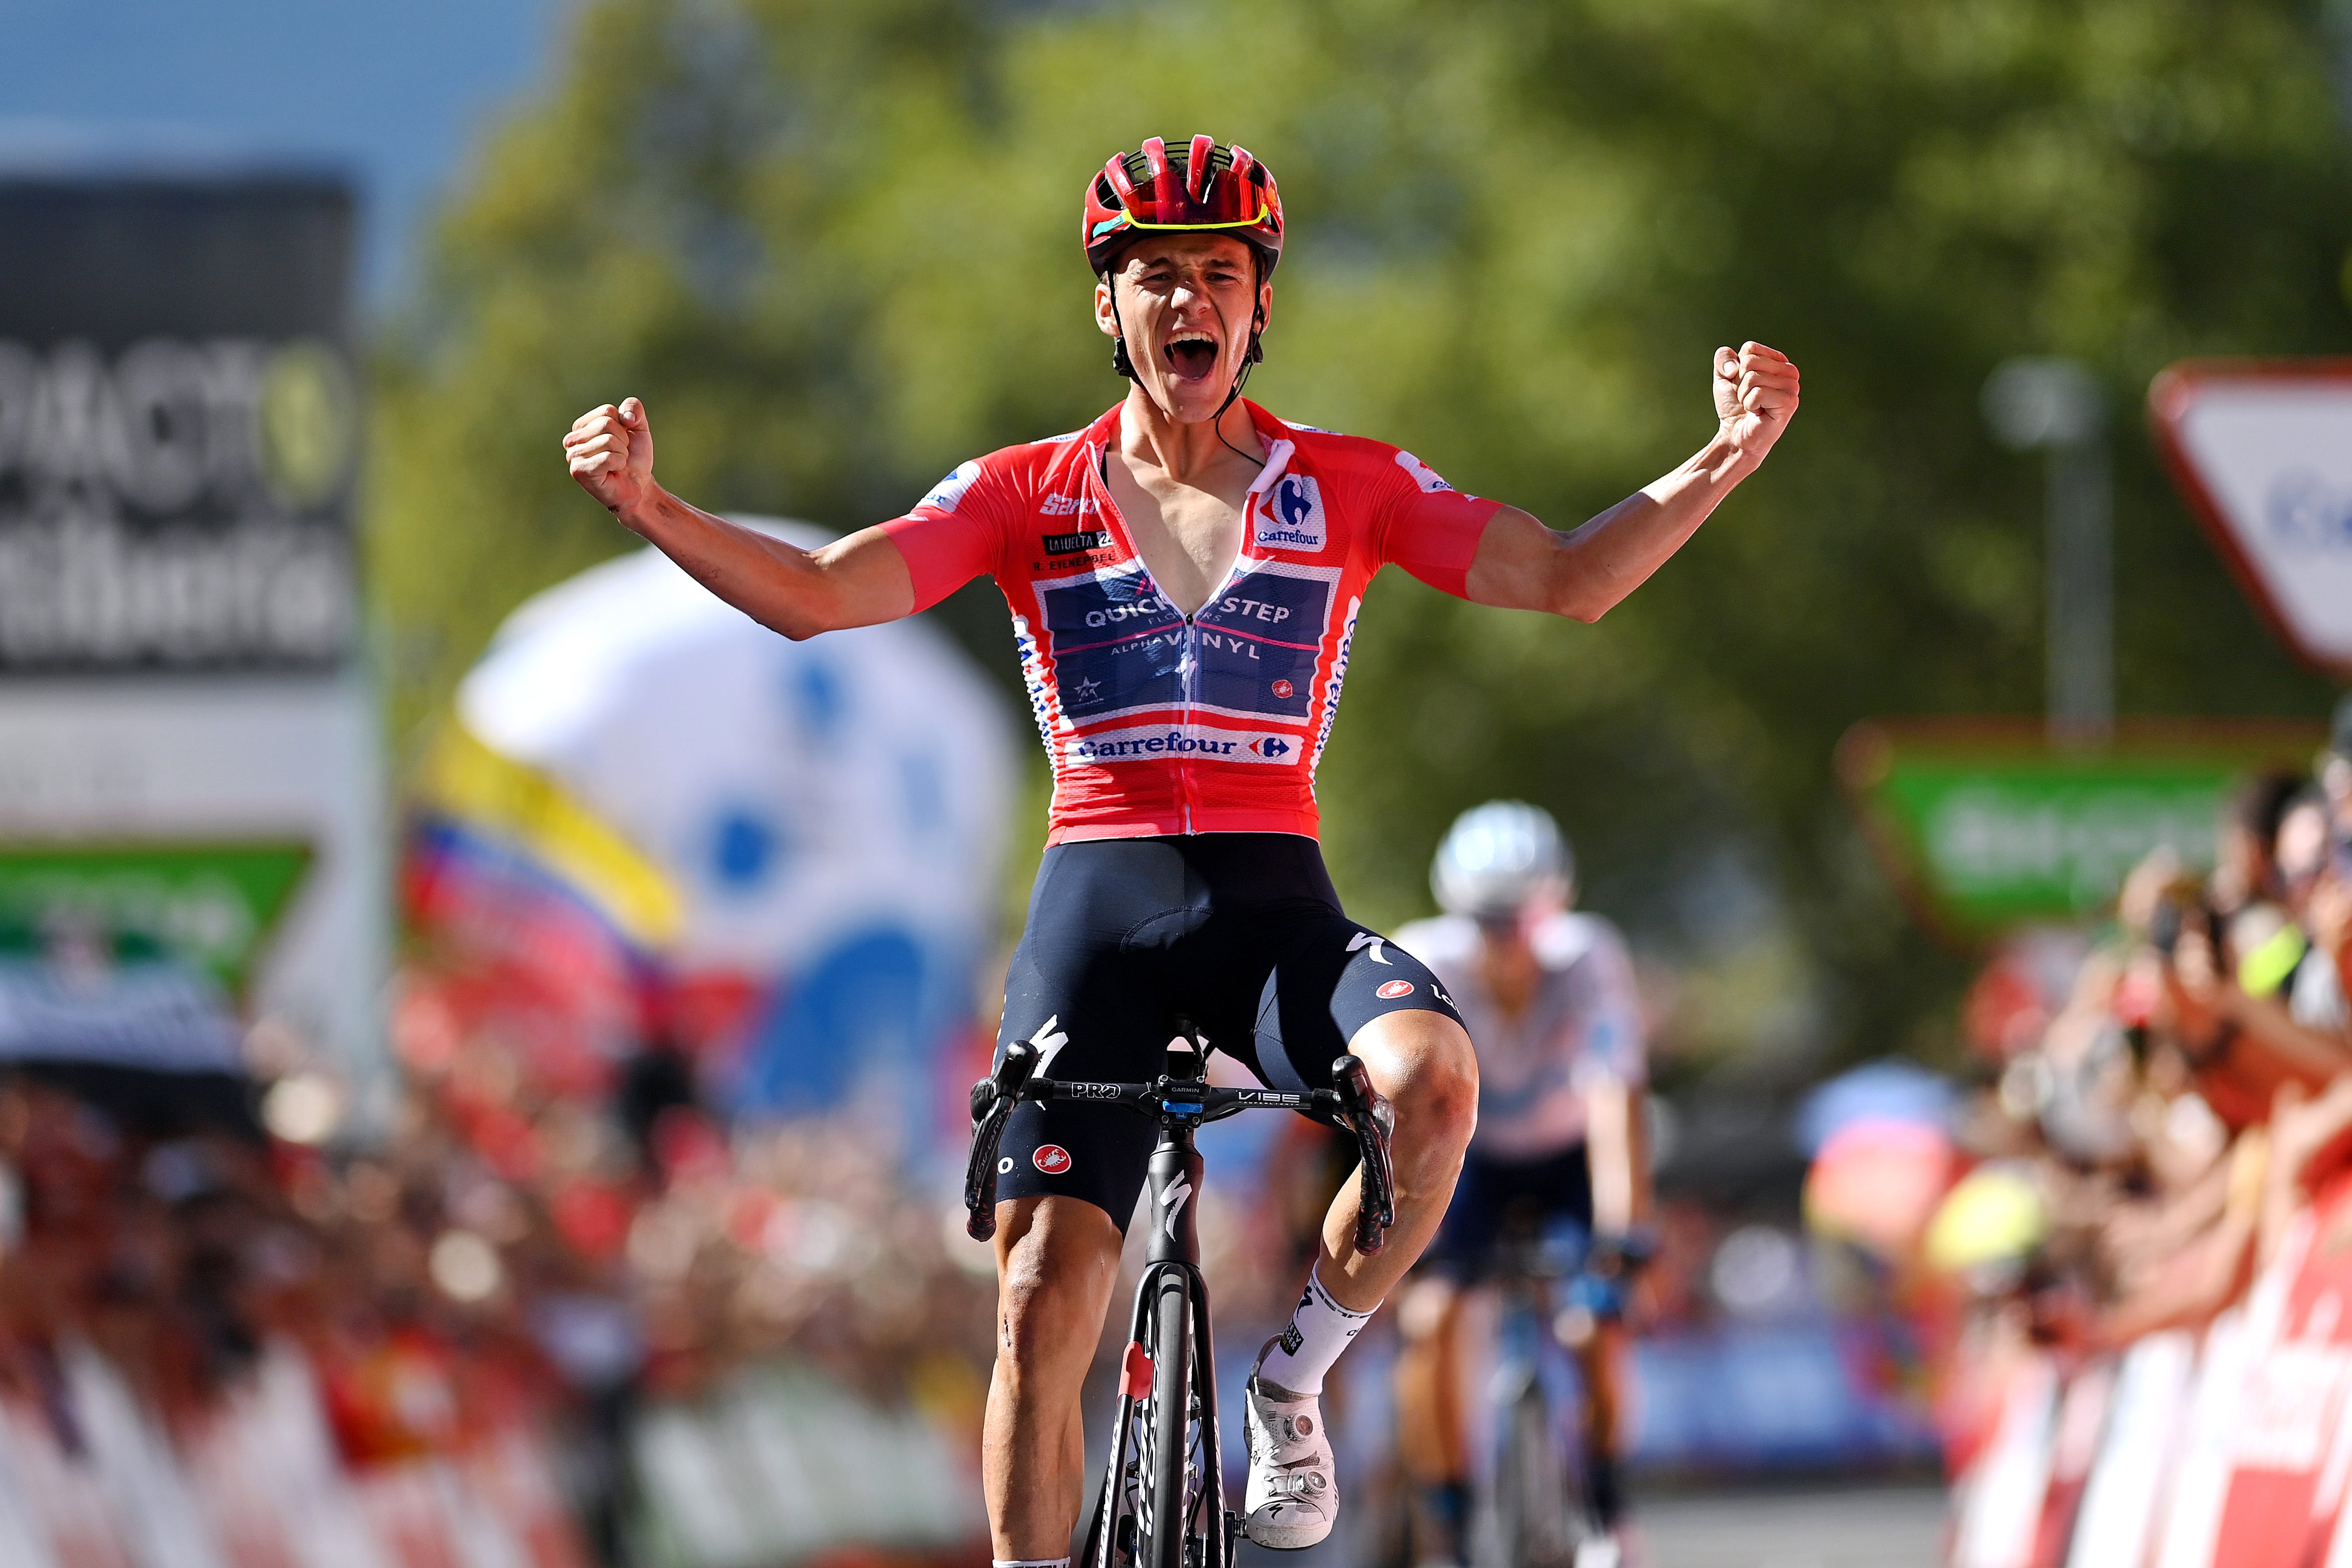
x,y
833,247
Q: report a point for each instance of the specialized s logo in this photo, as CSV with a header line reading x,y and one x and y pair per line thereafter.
x,y
1178,1192
1291,516
949,491
1421,474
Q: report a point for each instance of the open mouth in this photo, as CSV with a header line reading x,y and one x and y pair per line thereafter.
x,y
1191,355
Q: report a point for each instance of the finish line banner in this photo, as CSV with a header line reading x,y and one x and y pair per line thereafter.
x,y
1986,827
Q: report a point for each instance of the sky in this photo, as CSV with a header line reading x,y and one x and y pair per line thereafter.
x,y
393,93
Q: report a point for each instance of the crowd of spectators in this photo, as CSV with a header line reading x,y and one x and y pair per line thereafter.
x,y
513,1270
2163,1097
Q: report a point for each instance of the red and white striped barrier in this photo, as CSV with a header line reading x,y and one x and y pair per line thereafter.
x,y
2228,1448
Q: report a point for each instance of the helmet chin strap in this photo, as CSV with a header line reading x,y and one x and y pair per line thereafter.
x,y
1218,422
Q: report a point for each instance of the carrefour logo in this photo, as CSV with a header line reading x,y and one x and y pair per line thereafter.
x,y
1292,516
1153,744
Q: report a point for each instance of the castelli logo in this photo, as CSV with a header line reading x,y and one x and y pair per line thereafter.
x,y
1283,689
1389,993
1052,1159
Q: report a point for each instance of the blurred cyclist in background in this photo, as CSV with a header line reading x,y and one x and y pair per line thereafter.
x,y
1548,997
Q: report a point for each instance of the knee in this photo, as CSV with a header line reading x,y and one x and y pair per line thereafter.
x,y
1436,1098
1037,1308
1050,1296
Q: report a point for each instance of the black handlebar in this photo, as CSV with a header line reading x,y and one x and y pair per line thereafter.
x,y
1354,1107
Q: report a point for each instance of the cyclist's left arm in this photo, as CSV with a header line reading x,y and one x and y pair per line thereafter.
x,y
1613,1071
1585,571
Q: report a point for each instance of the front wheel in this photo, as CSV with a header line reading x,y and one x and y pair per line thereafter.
x,y
1530,1520
1169,1423
1154,1506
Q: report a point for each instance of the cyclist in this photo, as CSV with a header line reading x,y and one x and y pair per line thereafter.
x,y
1548,997
1184,576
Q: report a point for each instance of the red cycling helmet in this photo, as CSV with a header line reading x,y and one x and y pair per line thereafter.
x,y
1205,188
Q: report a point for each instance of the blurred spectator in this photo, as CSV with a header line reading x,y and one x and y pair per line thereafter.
x,y
2142,1143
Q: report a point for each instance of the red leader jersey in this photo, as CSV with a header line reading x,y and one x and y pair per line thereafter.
x,y
1156,722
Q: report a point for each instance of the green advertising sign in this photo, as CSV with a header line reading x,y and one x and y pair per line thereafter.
x,y
1987,827
211,906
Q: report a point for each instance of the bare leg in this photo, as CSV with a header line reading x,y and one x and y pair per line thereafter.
x,y
1429,1425
1601,1360
1423,1063
1056,1263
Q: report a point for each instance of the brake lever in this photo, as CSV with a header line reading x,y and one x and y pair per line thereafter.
x,y
1371,1119
992,1100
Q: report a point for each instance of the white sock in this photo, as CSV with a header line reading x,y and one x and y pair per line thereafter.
x,y
1318,1332
1030,1562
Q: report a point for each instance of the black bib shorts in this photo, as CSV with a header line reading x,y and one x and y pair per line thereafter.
x,y
1240,935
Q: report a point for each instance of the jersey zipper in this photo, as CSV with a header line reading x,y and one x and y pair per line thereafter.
x,y
1192,653
1191,669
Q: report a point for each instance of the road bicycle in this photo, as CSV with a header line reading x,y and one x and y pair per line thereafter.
x,y
1162,1502
1537,1516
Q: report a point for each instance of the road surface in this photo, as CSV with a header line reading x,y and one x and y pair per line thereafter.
x,y
1877,1527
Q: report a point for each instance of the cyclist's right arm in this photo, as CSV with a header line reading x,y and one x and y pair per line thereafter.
x,y
853,581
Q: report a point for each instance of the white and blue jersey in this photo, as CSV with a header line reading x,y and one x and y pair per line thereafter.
x,y
1582,1027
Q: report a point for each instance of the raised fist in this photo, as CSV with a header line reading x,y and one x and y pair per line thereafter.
x,y
611,452
1755,396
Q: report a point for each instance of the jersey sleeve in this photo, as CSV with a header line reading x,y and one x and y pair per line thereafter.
x,y
956,532
1426,526
1610,1004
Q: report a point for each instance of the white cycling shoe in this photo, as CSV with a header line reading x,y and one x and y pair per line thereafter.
x,y
1603,1551
1292,1498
